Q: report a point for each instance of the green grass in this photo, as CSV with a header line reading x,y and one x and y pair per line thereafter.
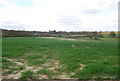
x,y
99,70
11,70
35,59
36,62
27,74
7,72
30,57
20,68
6,63
110,39
44,71
99,57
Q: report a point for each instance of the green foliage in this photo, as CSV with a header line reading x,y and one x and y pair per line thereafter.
x,y
96,38
98,70
30,57
27,74
44,71
6,63
112,34
36,62
21,68
7,72
11,70
35,59
90,36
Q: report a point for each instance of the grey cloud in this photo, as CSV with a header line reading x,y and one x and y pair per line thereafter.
x,y
115,21
13,25
91,11
22,3
112,27
111,4
1,5
18,27
69,20
9,22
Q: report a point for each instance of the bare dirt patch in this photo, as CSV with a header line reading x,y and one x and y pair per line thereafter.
x,y
53,65
81,66
17,74
68,39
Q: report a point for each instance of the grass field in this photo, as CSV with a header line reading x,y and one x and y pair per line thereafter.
x,y
46,58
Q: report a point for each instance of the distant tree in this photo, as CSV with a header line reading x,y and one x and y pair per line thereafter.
x,y
94,35
54,31
112,34
90,36
100,35
49,31
96,38
100,32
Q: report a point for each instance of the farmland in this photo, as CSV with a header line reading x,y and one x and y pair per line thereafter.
x,y
59,58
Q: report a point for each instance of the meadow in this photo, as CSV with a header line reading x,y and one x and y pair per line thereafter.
x,y
51,58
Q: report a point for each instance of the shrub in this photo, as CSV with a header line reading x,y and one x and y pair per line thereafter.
x,y
90,36
96,38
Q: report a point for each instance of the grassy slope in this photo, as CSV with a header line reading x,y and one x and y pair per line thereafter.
x,y
99,58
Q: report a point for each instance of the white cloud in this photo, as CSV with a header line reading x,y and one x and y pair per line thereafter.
x,y
63,15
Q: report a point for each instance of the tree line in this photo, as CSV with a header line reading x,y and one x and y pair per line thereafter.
x,y
21,33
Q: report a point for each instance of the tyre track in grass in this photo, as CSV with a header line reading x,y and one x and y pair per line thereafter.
x,y
81,64
53,65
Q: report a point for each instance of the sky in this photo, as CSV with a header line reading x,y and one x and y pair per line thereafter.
x,y
59,15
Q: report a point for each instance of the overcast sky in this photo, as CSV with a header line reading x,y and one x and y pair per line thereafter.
x,y
60,15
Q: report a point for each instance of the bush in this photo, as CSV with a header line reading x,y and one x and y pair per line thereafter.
x,y
90,36
112,34
96,38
